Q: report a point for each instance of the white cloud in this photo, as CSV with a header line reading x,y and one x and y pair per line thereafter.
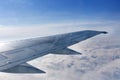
x,y
19,32
96,63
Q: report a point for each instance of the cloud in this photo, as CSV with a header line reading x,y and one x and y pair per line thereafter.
x,y
20,32
99,61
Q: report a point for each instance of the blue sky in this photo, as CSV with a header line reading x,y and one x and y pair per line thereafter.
x,y
27,12
62,16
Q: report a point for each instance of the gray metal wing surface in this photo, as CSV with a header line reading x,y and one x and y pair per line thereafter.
x,y
15,54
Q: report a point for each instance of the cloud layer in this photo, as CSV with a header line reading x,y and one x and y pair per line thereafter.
x,y
100,59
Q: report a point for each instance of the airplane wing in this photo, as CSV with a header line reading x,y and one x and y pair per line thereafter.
x,y
15,54
23,68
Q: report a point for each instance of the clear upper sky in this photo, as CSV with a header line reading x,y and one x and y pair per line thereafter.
x,y
26,12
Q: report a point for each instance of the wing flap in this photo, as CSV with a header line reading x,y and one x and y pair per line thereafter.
x,y
23,68
66,51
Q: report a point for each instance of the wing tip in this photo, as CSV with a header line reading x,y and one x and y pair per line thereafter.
x,y
104,32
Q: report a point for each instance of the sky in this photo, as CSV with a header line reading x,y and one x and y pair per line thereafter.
x,y
20,19
32,12
33,18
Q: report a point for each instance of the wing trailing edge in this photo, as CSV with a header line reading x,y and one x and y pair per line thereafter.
x,y
66,51
23,68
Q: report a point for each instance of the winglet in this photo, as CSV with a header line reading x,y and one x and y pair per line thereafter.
x,y
104,32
